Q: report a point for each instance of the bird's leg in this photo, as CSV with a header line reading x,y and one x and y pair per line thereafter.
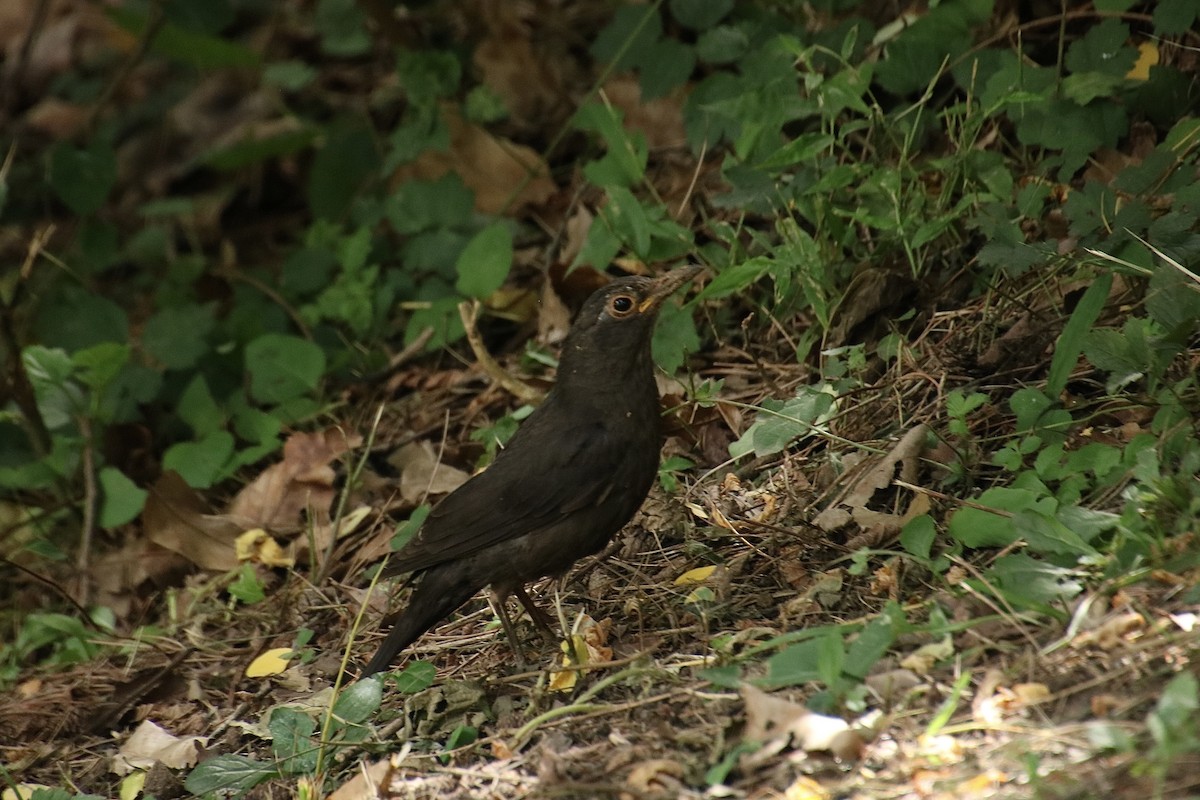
x,y
498,599
539,617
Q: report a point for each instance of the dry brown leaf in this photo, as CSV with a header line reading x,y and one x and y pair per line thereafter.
x,y
506,177
655,776
174,518
301,483
660,120
775,721
1113,633
422,474
366,781
853,505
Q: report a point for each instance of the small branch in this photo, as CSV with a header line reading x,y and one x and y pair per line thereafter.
x,y
523,392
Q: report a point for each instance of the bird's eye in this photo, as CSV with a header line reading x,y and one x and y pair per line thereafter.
x,y
621,305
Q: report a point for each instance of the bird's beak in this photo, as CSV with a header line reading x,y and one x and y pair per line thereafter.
x,y
665,285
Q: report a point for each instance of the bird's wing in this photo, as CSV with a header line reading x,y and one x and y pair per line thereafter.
x,y
536,482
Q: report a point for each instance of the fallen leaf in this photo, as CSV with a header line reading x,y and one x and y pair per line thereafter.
x,y
273,662
1147,57
174,518
504,176
260,547
775,721
301,484
149,744
422,473
697,575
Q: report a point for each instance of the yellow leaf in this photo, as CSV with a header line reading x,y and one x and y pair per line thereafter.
x,y
563,680
258,546
697,575
132,786
22,791
272,662
1147,58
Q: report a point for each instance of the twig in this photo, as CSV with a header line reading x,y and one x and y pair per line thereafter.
x,y
526,394
83,557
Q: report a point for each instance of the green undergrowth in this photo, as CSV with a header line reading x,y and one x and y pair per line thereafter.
x,y
871,174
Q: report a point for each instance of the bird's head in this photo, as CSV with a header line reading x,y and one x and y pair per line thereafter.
x,y
616,323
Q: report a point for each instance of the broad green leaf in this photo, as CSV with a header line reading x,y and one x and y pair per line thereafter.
x,y
700,15
283,367
201,463
975,527
918,536
292,743
82,179
795,664
177,336
200,50
358,701
228,772
199,409
484,263
417,676
122,499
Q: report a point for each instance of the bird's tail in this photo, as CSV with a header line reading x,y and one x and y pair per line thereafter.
x,y
441,591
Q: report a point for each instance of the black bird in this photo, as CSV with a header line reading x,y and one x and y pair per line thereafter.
x,y
574,473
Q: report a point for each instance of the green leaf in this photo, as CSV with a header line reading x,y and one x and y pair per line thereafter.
x,y
200,50
228,773
1029,404
283,367
247,588
428,75
724,44
177,336
1045,534
918,536
975,527
625,162
733,280
253,149
700,15
1025,581
794,665
1070,342
1102,49
831,655
291,740
198,409
485,261
342,26
778,424
421,205
341,169
1174,17
289,75
82,179
633,32
100,364
461,736
675,337
408,529
1173,301
359,701
868,647
417,676
804,148
201,463
666,67
122,499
